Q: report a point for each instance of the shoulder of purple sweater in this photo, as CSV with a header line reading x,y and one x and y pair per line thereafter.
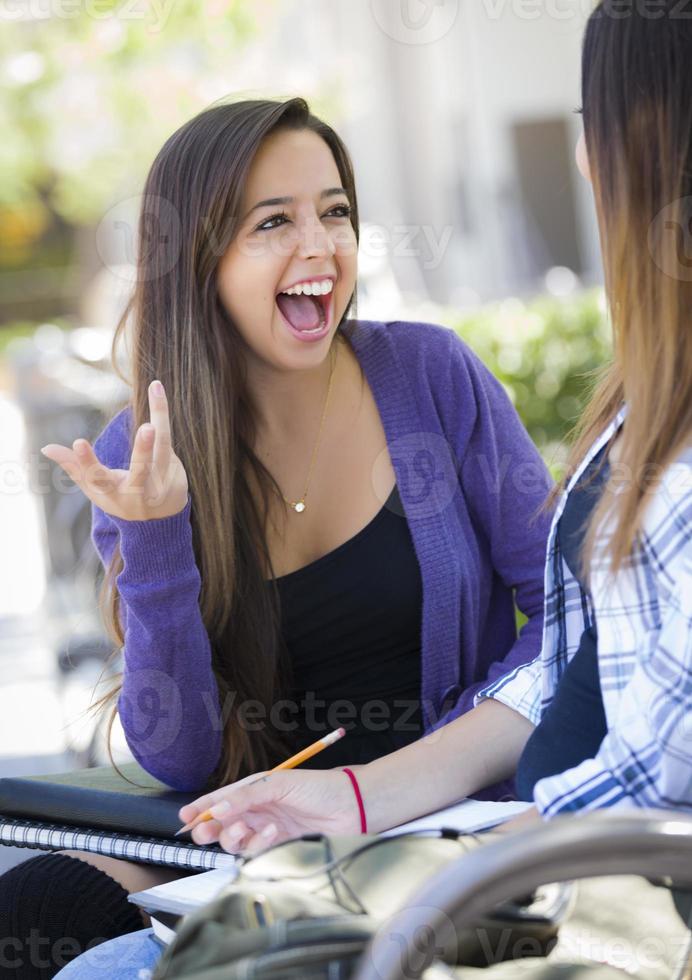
x,y
410,336
423,350
434,358
468,400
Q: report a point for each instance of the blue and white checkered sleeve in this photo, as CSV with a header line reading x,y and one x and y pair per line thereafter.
x,y
645,760
520,689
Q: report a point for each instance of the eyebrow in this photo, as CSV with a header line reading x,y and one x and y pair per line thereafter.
x,y
274,201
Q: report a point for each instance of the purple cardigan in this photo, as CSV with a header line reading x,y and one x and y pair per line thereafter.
x,y
471,482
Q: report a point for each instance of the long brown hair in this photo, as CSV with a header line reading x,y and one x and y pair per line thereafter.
x,y
180,333
637,106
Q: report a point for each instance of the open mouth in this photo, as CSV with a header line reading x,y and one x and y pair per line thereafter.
x,y
305,306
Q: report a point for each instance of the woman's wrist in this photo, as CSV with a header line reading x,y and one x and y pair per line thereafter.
x,y
360,804
383,794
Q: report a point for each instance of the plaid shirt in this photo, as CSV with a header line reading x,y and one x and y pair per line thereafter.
x,y
644,622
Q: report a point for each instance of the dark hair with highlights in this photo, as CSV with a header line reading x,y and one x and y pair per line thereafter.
x,y
637,105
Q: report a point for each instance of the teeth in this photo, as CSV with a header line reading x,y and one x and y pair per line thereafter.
x,y
311,288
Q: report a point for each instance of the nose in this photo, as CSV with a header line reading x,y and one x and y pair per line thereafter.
x,y
314,239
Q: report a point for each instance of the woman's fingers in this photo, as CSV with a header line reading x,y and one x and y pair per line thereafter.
x,y
189,812
97,478
206,833
260,841
141,458
158,411
83,467
151,453
235,837
202,803
65,458
250,837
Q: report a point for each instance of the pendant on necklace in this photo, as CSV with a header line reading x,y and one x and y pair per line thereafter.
x,y
299,507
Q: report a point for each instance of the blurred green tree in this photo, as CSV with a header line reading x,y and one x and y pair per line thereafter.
x,y
92,88
90,91
546,352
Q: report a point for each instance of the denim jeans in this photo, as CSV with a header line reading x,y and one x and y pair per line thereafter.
x,y
129,957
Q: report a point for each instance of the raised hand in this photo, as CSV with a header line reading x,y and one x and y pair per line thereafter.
x,y
155,485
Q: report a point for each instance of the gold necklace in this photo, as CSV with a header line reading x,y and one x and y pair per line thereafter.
x,y
300,505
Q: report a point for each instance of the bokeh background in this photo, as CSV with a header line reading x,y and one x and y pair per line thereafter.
x,y
460,118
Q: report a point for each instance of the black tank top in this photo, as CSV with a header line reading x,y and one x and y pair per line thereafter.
x,y
351,629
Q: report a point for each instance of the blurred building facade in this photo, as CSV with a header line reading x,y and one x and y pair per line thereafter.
x,y
467,141
460,116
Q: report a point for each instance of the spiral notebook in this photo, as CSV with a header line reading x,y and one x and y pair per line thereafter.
x,y
97,810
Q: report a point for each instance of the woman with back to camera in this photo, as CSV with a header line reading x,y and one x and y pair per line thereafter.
x,y
355,500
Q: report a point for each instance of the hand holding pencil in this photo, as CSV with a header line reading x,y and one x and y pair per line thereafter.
x,y
257,811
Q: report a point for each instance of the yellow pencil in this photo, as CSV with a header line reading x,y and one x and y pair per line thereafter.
x,y
291,763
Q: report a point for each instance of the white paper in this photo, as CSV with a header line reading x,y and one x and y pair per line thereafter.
x,y
467,816
164,933
184,894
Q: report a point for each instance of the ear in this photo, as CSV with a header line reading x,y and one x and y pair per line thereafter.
x,y
583,158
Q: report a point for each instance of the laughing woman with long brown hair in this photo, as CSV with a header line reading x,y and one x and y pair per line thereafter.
x,y
307,520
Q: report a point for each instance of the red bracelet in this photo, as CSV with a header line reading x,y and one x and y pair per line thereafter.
x,y
359,800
